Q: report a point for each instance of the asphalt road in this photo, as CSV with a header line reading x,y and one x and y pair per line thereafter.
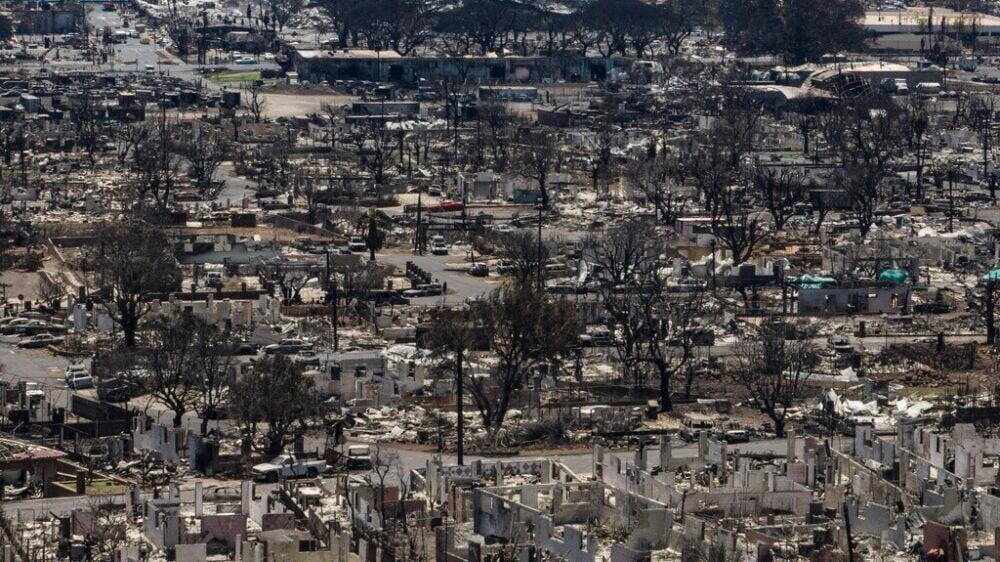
x,y
237,187
461,285
131,56
36,365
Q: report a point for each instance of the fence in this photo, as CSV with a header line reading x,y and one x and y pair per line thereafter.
x,y
97,411
303,228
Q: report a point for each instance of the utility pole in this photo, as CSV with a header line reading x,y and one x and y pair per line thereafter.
x,y
541,285
991,333
465,203
418,247
459,397
372,234
951,199
336,339
331,280
847,528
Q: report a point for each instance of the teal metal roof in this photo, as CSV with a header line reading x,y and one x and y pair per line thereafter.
x,y
893,275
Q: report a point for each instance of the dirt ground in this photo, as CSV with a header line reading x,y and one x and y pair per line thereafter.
x,y
21,283
288,105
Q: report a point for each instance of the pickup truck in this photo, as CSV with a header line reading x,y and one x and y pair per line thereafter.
x,y
287,466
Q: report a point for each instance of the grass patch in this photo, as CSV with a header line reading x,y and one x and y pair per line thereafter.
x,y
98,484
230,77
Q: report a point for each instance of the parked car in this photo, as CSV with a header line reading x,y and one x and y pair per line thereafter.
x,y
33,327
80,380
506,267
438,246
426,290
479,270
306,357
736,436
11,326
359,457
357,244
245,348
385,296
288,466
692,425
39,341
118,390
74,369
287,346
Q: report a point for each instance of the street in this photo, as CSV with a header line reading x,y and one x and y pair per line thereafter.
x,y
461,285
133,55
38,366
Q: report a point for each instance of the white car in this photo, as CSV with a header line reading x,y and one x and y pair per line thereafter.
x,y
75,369
438,246
80,380
245,60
